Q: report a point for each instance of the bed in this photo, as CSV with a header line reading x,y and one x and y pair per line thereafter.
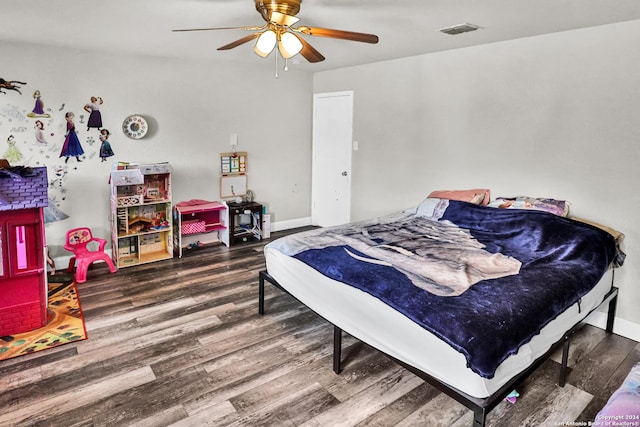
x,y
471,298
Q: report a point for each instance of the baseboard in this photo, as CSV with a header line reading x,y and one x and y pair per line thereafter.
x,y
289,224
621,327
62,262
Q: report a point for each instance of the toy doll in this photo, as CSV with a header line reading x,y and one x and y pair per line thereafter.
x,y
71,146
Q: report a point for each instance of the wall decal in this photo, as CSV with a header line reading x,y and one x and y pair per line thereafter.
x,y
31,134
13,155
33,140
10,85
57,183
12,113
95,117
71,146
38,109
40,137
52,213
105,147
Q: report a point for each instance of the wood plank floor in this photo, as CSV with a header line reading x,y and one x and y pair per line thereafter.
x,y
180,343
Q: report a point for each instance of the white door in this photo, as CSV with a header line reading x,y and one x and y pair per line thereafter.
x,y
331,174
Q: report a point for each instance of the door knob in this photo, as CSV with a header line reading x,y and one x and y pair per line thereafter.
x,y
344,173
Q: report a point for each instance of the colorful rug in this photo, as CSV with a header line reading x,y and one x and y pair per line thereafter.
x,y
65,322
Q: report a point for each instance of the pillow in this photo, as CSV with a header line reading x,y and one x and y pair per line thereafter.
x,y
617,235
557,207
432,207
477,196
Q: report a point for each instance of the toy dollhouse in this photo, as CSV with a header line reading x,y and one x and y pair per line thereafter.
x,y
23,281
141,227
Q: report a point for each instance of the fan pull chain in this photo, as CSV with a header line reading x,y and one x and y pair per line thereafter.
x,y
286,64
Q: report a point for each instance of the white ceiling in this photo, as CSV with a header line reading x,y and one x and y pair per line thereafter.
x,y
405,27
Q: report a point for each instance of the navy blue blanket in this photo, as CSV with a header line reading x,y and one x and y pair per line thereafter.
x,y
561,260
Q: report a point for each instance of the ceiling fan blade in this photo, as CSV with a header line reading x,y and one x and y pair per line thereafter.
x,y
221,28
238,42
309,52
338,34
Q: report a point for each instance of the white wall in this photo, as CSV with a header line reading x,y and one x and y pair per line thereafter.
x,y
553,116
192,107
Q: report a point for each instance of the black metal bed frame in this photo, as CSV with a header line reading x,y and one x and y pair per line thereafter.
x,y
479,406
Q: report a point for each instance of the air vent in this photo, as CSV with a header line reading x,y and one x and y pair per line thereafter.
x,y
459,29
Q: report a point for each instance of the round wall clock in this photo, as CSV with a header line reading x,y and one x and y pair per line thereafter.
x,y
135,126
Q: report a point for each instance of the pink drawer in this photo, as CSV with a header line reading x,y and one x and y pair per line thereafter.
x,y
192,227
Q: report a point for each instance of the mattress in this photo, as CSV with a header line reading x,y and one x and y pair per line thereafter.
x,y
375,323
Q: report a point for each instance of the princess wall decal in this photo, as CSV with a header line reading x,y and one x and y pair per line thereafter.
x,y
71,146
105,146
38,109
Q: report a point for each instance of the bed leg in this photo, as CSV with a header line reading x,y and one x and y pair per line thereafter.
x,y
337,349
611,315
479,417
565,360
261,293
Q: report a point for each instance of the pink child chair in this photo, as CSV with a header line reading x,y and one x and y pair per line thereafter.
x,y
77,240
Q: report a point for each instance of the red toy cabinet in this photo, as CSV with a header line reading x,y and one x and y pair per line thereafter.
x,y
23,282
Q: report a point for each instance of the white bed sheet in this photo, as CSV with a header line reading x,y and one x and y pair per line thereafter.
x,y
375,323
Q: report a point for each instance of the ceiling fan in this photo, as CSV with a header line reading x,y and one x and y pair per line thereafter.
x,y
279,16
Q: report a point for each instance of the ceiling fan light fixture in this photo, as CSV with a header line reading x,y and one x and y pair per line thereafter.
x,y
283,20
279,17
265,43
285,7
289,45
